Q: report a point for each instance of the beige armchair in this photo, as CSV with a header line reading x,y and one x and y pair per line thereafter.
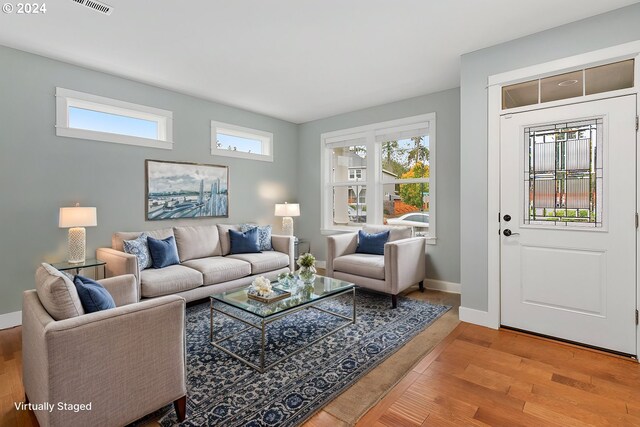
x,y
125,362
401,266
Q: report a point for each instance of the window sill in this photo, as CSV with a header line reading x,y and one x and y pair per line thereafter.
x,y
242,155
344,230
112,137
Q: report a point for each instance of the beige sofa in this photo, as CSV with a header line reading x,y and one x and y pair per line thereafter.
x,y
401,266
206,266
125,362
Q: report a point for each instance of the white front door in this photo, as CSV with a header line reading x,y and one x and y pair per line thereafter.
x,y
568,231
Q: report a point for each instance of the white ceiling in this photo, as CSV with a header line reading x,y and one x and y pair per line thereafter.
x,y
297,60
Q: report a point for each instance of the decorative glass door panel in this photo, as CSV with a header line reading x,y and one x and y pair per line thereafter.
x,y
563,174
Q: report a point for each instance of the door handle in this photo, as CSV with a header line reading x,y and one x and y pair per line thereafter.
x,y
508,233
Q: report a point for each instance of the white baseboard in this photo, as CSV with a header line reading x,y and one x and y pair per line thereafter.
x,y
441,285
9,320
478,317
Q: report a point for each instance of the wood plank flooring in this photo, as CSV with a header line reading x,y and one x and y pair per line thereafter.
x,y
475,377
479,377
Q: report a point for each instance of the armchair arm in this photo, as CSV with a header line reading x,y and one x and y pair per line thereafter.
x,y
128,361
123,289
339,245
404,263
119,263
285,244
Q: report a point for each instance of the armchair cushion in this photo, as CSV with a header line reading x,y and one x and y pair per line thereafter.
x,y
57,293
93,296
395,232
372,243
365,265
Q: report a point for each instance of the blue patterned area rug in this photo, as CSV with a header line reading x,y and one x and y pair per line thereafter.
x,y
223,391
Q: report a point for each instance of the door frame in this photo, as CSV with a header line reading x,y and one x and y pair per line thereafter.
x,y
491,318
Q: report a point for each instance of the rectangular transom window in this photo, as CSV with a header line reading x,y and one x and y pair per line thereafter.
x,y
382,173
87,116
237,141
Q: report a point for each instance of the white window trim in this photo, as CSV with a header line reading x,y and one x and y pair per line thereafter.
x,y
367,134
66,98
266,138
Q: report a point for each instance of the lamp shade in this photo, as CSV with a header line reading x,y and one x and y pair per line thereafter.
x,y
287,209
77,217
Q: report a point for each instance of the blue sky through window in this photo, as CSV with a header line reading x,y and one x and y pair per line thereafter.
x,y
81,118
245,145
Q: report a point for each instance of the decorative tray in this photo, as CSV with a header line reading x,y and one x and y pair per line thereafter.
x,y
276,295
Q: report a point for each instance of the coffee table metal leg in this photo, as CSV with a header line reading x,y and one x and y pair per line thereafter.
x,y
262,348
354,305
211,321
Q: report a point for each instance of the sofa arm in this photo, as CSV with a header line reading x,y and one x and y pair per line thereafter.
x,y
127,361
123,289
119,263
404,263
285,244
339,245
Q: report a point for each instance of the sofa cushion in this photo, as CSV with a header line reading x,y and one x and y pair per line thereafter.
x,y
168,280
223,231
395,232
119,237
264,235
264,262
140,248
163,252
365,265
244,243
372,243
197,242
57,293
93,295
219,269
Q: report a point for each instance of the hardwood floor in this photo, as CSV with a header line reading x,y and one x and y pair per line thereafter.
x,y
475,377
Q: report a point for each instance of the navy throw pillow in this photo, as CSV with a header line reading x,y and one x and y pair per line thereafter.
x,y
244,243
163,252
93,296
372,243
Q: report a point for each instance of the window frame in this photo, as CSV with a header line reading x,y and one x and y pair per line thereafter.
x,y
366,136
266,139
66,98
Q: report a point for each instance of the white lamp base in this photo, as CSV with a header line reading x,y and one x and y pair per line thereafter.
x,y
77,245
287,226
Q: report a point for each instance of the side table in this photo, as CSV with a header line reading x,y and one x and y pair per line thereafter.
x,y
95,263
301,246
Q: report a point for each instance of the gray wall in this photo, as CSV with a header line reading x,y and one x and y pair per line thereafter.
x,y
616,27
40,172
443,256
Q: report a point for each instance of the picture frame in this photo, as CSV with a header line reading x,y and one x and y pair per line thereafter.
x,y
183,190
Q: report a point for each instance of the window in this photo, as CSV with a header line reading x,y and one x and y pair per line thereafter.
x,y
237,141
86,116
381,174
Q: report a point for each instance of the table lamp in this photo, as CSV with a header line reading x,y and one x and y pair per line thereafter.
x,y
286,211
76,219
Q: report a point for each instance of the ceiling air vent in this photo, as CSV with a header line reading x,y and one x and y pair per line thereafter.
x,y
96,5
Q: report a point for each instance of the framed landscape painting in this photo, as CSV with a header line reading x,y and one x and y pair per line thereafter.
x,y
186,190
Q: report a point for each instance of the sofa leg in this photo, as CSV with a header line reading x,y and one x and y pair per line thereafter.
x,y
180,406
421,285
394,301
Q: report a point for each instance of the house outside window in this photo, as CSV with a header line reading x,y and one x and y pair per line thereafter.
x,y
382,173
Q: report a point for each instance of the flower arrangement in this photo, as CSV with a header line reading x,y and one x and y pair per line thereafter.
x,y
307,262
261,286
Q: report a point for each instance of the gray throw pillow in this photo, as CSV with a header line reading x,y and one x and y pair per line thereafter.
x,y
140,248
264,235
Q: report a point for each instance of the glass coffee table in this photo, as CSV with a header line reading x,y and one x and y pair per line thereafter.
x,y
302,297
